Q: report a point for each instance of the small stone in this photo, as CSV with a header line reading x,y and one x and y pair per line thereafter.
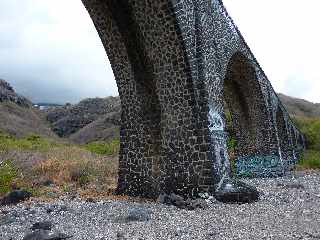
x,y
58,236
294,186
176,198
120,236
162,198
56,208
63,208
45,235
48,183
90,200
45,225
37,235
199,203
204,195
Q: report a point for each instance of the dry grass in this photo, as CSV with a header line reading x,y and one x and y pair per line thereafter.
x,y
72,169
73,164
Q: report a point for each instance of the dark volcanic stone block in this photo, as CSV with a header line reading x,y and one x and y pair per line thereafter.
x,y
16,197
233,191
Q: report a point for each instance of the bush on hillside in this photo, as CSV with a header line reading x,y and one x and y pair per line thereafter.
x,y
8,175
31,142
310,127
104,148
310,160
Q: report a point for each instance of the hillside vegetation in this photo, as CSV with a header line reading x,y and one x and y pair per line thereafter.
x,y
49,169
310,127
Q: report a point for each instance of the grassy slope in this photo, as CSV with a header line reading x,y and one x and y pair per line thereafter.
x,y
105,128
310,127
29,162
300,107
22,121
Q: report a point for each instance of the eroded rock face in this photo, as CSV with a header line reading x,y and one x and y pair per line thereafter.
x,y
67,120
7,93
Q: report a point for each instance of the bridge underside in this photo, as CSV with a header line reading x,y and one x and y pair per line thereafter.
x,y
176,63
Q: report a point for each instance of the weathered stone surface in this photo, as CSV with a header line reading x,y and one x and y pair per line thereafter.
x,y
176,63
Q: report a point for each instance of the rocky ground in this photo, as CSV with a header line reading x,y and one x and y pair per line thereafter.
x,y
289,209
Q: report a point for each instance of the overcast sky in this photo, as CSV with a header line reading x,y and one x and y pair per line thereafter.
x,y
50,51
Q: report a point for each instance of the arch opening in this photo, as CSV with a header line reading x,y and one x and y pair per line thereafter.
x,y
246,115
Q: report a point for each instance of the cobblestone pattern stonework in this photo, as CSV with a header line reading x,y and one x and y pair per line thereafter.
x,y
176,62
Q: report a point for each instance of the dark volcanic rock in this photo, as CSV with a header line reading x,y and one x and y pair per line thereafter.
x,y
233,191
180,202
46,225
56,208
45,235
15,197
37,235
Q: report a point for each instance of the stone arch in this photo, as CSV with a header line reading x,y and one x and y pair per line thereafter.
x,y
245,101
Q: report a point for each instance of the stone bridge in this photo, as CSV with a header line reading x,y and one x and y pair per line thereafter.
x,y
178,64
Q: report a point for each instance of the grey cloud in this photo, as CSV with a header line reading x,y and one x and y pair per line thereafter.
x,y
45,63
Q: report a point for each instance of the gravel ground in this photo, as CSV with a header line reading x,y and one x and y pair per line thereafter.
x,y
289,209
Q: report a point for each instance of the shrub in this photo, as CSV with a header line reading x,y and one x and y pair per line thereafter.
x,y
232,144
71,165
31,142
104,148
310,160
310,127
8,175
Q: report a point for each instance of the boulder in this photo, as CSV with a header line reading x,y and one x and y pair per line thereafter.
x,y
233,191
45,235
45,225
16,197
